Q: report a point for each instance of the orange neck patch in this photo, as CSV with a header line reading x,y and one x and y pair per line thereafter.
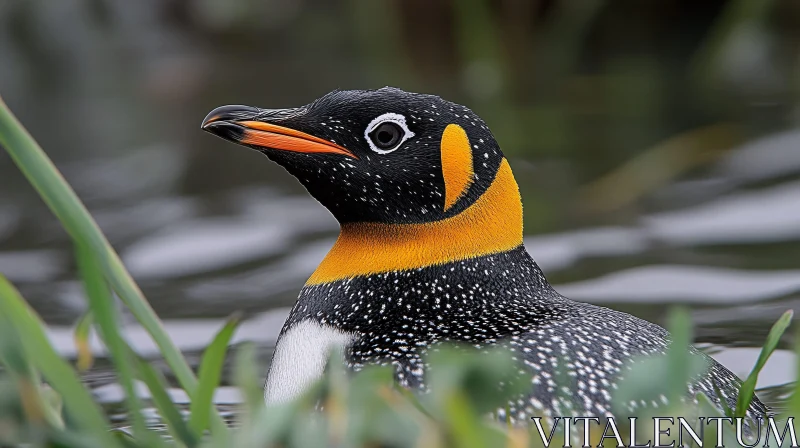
x,y
490,225
456,164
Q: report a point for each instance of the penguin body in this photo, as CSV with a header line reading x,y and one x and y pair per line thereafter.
x,y
431,251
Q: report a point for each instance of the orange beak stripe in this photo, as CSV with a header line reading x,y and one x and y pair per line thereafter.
x,y
278,137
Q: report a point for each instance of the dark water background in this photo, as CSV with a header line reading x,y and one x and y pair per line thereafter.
x,y
655,144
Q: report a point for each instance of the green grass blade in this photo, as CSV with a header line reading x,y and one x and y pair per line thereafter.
x,y
158,391
793,407
81,337
40,405
77,400
679,323
106,316
246,378
72,439
53,406
70,211
726,410
462,422
210,371
747,391
65,204
128,441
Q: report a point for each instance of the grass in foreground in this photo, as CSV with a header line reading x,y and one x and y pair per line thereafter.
x,y
43,403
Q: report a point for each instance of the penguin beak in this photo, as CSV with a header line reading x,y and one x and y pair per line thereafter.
x,y
247,126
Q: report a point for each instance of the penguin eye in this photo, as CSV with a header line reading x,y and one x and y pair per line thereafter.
x,y
387,132
386,135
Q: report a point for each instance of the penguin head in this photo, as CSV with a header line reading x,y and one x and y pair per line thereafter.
x,y
374,156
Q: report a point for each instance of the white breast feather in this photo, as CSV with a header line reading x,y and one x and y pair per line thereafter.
x,y
300,358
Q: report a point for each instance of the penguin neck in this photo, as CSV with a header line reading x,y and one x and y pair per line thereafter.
x,y
491,225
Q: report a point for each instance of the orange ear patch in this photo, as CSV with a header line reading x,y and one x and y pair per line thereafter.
x,y
456,164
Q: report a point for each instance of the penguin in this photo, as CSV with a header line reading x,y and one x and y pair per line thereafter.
x,y
431,250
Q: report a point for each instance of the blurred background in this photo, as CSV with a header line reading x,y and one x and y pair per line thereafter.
x,y
656,145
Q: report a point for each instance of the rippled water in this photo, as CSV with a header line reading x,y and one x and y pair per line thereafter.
x,y
207,228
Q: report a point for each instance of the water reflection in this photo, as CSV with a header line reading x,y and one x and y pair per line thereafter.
x,y
767,215
685,284
202,244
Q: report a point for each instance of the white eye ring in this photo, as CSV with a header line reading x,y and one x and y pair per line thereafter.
x,y
394,118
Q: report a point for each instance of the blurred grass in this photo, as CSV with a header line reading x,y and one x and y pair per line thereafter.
x,y
739,16
657,166
62,200
210,371
81,337
747,391
77,221
364,409
21,324
102,305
